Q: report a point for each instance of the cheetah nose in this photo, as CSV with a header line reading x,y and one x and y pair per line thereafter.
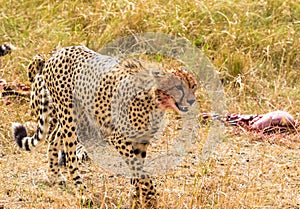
x,y
191,101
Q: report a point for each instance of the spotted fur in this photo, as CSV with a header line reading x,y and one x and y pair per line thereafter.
x,y
77,82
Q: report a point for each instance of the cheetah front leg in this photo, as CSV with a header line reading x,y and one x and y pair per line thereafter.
x,y
145,188
134,155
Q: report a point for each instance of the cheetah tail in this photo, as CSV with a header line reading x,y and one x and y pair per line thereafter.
x,y
19,131
6,49
21,136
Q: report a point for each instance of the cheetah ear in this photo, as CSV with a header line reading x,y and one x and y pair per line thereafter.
x,y
131,63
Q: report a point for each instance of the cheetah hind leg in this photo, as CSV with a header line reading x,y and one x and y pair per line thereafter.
x,y
81,154
58,157
54,151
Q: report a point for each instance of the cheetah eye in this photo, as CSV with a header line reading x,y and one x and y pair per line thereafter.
x,y
194,87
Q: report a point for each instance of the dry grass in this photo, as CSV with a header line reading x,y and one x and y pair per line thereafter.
x,y
253,44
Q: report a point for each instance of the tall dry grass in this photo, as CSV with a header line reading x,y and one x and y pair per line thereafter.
x,y
253,44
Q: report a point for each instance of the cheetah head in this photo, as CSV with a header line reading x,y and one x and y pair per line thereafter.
x,y
176,90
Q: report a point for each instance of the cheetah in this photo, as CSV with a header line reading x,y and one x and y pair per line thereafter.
x,y
76,82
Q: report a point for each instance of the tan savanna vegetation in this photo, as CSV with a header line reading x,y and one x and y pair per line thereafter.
x,y
254,45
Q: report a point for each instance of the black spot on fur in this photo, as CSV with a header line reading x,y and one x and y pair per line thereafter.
x,y
143,154
27,146
137,151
